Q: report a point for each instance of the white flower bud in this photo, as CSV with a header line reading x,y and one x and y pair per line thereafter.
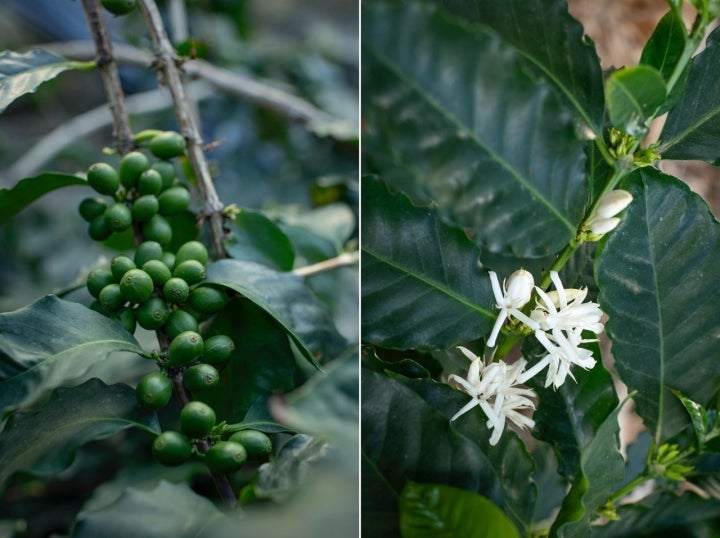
x,y
611,203
519,287
602,226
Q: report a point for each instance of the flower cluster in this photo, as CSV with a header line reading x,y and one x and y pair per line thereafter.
x,y
558,321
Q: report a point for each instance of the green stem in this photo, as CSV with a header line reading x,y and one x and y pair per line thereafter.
x,y
627,488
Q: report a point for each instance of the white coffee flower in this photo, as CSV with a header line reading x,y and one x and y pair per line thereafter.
x,y
515,294
562,355
493,388
565,309
603,220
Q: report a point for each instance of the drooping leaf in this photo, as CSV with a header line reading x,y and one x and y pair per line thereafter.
x,y
655,273
262,362
499,155
634,95
407,435
166,510
254,237
43,441
51,343
421,284
287,299
601,467
692,129
438,511
27,190
23,73
569,418
551,41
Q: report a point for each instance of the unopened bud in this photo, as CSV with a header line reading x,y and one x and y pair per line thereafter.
x,y
519,288
611,203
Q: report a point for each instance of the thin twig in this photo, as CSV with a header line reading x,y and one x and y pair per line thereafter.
x,y
110,76
345,259
166,63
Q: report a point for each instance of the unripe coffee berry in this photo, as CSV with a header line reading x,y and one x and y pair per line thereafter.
x,y
90,208
217,349
192,250
167,145
174,200
149,250
98,279
110,297
167,172
185,348
158,229
103,178
99,229
225,457
158,271
118,217
201,377
126,317
144,208
191,271
197,419
207,299
152,314
121,265
131,166
176,290
136,286
171,448
150,182
119,7
180,321
154,390
256,443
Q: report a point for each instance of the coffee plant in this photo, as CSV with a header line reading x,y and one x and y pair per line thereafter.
x,y
516,223
193,380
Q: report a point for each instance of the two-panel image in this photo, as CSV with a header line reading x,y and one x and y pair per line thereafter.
x,y
377,268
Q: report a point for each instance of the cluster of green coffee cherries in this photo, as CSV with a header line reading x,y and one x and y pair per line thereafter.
x,y
162,290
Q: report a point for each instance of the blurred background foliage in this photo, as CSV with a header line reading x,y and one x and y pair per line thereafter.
x,y
260,160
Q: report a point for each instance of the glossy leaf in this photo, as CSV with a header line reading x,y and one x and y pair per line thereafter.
x,y
287,299
692,129
569,418
43,441
498,155
254,237
166,510
27,190
51,343
552,43
655,273
438,511
601,468
634,94
407,435
699,418
421,285
23,73
261,364
666,44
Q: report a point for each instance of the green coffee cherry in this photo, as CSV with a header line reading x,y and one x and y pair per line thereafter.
x,y
179,322
154,390
98,279
217,349
90,208
200,377
207,299
167,145
131,166
152,314
99,229
118,217
136,286
150,182
167,172
110,297
119,7
100,309
103,178
185,348
192,250
149,250
144,208
174,200
126,317
191,271
225,457
121,265
197,419
158,229
158,271
168,258
256,443
176,290
171,448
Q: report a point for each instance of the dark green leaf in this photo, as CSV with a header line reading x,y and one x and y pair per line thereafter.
x,y
499,155
552,42
692,129
287,299
261,364
27,190
655,273
438,511
421,284
569,418
407,435
51,343
43,441
254,237
23,73
167,510
634,94
666,44
601,467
